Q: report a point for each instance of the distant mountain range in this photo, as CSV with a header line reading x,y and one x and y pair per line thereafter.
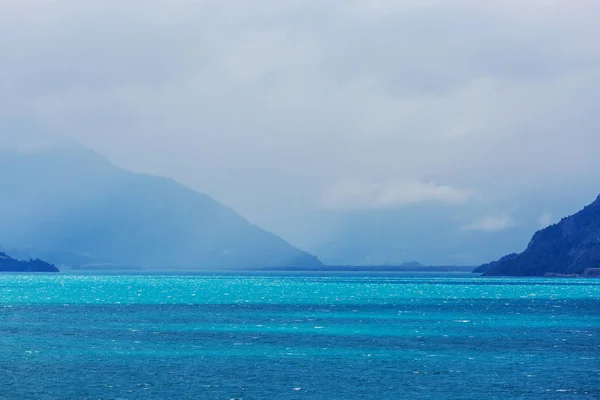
x,y
569,247
71,206
8,264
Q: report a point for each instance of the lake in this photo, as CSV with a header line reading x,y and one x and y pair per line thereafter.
x,y
298,336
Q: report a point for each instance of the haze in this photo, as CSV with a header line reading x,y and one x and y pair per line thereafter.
x,y
364,132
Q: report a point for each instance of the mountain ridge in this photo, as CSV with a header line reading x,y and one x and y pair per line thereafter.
x,y
568,247
75,207
9,264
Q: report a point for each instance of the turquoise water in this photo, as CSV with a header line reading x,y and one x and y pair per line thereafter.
x,y
298,337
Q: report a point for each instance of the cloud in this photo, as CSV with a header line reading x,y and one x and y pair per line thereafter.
x,y
269,105
364,195
489,224
545,219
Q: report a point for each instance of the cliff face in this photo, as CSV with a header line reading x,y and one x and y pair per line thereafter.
x,y
8,264
568,247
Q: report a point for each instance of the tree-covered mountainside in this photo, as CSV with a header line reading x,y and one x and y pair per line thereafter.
x,y
568,247
8,264
73,207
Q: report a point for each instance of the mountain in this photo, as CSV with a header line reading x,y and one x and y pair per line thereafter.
x,y
74,207
568,247
8,264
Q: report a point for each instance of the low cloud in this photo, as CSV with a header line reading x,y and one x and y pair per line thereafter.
x,y
545,219
489,224
366,195
265,104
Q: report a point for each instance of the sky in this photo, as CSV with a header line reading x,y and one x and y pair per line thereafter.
x,y
291,110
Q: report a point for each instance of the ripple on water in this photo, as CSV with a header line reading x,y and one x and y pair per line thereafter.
x,y
317,337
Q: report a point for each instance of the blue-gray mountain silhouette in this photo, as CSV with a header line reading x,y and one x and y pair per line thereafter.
x,y
71,206
568,247
9,264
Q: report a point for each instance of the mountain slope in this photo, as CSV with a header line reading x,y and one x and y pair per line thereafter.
x,y
72,206
568,247
8,264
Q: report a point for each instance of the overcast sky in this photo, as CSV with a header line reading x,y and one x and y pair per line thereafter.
x,y
276,107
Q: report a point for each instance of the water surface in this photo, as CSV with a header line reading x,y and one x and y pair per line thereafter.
x,y
302,336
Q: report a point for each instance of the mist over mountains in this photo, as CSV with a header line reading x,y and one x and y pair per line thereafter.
x,y
69,205
374,133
